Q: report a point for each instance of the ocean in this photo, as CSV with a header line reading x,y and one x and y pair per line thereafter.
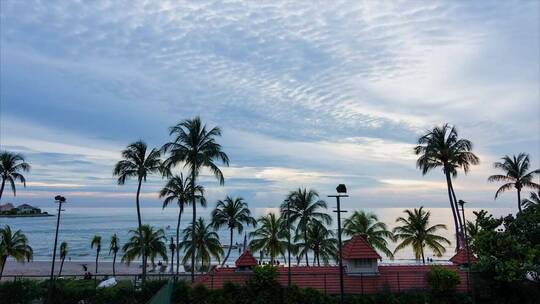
x,y
79,225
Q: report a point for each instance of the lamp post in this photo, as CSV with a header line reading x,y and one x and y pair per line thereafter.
x,y
59,200
341,190
462,204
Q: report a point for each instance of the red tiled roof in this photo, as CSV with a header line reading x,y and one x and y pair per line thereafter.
x,y
393,278
460,258
358,248
246,259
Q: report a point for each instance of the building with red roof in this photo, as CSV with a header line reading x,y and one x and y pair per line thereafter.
x,y
362,275
461,259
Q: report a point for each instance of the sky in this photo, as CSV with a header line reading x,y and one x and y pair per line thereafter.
x,y
307,94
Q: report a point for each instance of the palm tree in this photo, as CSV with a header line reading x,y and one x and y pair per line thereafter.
x,y
368,225
233,213
11,164
195,146
153,244
114,246
96,242
138,164
322,242
204,246
269,237
304,208
516,175
179,189
533,200
63,254
172,248
441,147
417,233
14,245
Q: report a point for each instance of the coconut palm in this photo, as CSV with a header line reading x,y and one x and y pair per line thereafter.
x,y
304,208
114,246
321,241
442,148
96,242
416,232
13,245
63,254
269,237
172,248
153,244
137,163
368,225
233,213
178,189
204,246
11,166
517,175
533,200
195,146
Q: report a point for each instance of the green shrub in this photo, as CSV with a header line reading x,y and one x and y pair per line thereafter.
x,y
20,292
442,280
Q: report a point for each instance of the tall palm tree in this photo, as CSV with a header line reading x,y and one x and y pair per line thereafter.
x,y
178,189
153,244
204,246
533,200
368,225
13,245
233,213
269,236
195,146
137,163
416,232
322,242
172,248
442,148
114,246
96,242
517,175
11,166
63,254
304,208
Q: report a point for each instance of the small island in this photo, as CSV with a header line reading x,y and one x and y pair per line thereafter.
x,y
24,210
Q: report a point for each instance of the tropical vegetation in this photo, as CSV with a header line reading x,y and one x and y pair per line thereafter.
x,y
11,167
96,242
368,225
234,214
152,243
63,254
269,237
442,148
516,175
415,231
203,243
15,245
114,247
533,200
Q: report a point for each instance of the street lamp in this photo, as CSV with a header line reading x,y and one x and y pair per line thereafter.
x,y
59,200
341,190
462,204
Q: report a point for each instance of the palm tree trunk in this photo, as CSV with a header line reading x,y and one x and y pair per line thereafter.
x,y
2,187
193,253
178,240
113,262
140,231
2,265
61,266
228,251
519,198
318,259
305,243
449,186
97,257
423,258
460,222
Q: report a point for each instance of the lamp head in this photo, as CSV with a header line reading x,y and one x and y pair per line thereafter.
x,y
60,199
341,188
461,203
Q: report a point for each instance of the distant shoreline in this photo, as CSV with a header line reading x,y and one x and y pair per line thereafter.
x,y
26,215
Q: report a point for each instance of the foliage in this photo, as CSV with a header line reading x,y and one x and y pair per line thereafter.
x,y
534,199
20,291
516,175
203,241
13,245
233,213
416,232
368,225
322,242
153,242
442,280
269,236
11,166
